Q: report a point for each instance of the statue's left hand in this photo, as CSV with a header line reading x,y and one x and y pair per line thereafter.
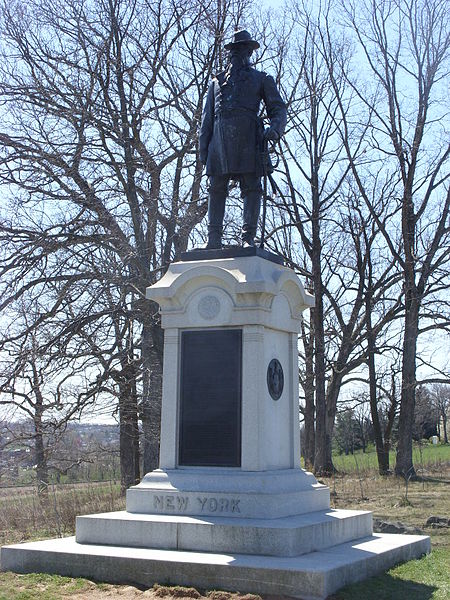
x,y
271,134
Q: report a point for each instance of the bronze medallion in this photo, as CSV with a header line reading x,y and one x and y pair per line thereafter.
x,y
275,379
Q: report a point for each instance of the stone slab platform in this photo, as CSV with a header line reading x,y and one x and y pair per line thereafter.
x,y
311,576
287,536
230,252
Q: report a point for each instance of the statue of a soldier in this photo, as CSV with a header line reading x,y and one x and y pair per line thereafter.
x,y
232,136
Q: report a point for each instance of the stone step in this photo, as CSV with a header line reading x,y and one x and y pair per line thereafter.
x,y
310,576
287,536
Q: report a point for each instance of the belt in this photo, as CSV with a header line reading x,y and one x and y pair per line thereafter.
x,y
230,112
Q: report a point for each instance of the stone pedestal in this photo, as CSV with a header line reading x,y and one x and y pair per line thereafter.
x,y
258,304
230,506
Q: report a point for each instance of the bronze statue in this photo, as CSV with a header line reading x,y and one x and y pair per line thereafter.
x,y
232,136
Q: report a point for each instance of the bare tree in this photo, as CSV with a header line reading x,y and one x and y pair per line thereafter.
x,y
322,212
406,45
99,151
101,102
36,386
312,179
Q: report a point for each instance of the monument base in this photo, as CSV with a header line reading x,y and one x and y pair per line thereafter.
x,y
230,506
257,532
311,576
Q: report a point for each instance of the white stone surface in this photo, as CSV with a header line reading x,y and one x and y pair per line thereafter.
x,y
287,536
276,439
222,479
168,448
228,492
263,299
250,290
311,576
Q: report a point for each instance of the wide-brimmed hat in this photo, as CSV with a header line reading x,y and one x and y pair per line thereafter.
x,y
240,38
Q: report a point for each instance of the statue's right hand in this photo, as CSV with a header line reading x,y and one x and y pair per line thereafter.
x,y
271,134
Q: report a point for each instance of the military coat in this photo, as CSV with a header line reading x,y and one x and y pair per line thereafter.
x,y
231,131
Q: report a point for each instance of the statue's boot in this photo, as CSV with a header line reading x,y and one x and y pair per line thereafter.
x,y
252,203
248,239
214,239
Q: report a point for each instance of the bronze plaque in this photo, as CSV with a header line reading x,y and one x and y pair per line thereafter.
x,y
210,398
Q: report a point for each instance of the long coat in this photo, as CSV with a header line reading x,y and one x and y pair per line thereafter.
x,y
231,131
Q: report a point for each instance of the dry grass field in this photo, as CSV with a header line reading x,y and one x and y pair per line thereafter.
x,y
390,499
23,517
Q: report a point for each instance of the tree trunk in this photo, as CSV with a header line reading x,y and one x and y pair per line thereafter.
x,y
137,455
321,414
320,456
331,404
320,462
308,443
40,458
332,394
444,426
382,457
151,402
404,462
129,431
390,418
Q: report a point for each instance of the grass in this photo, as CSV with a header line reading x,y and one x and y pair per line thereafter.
x,y
53,587
41,586
25,517
425,456
390,500
424,579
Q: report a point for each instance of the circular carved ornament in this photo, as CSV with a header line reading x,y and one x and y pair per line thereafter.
x,y
209,307
275,379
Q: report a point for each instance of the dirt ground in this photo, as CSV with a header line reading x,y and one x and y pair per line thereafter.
x,y
93,591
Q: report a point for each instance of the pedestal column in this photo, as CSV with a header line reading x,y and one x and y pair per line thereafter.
x,y
230,438
169,408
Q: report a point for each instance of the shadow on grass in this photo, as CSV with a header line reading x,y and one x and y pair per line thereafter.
x,y
385,587
428,479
